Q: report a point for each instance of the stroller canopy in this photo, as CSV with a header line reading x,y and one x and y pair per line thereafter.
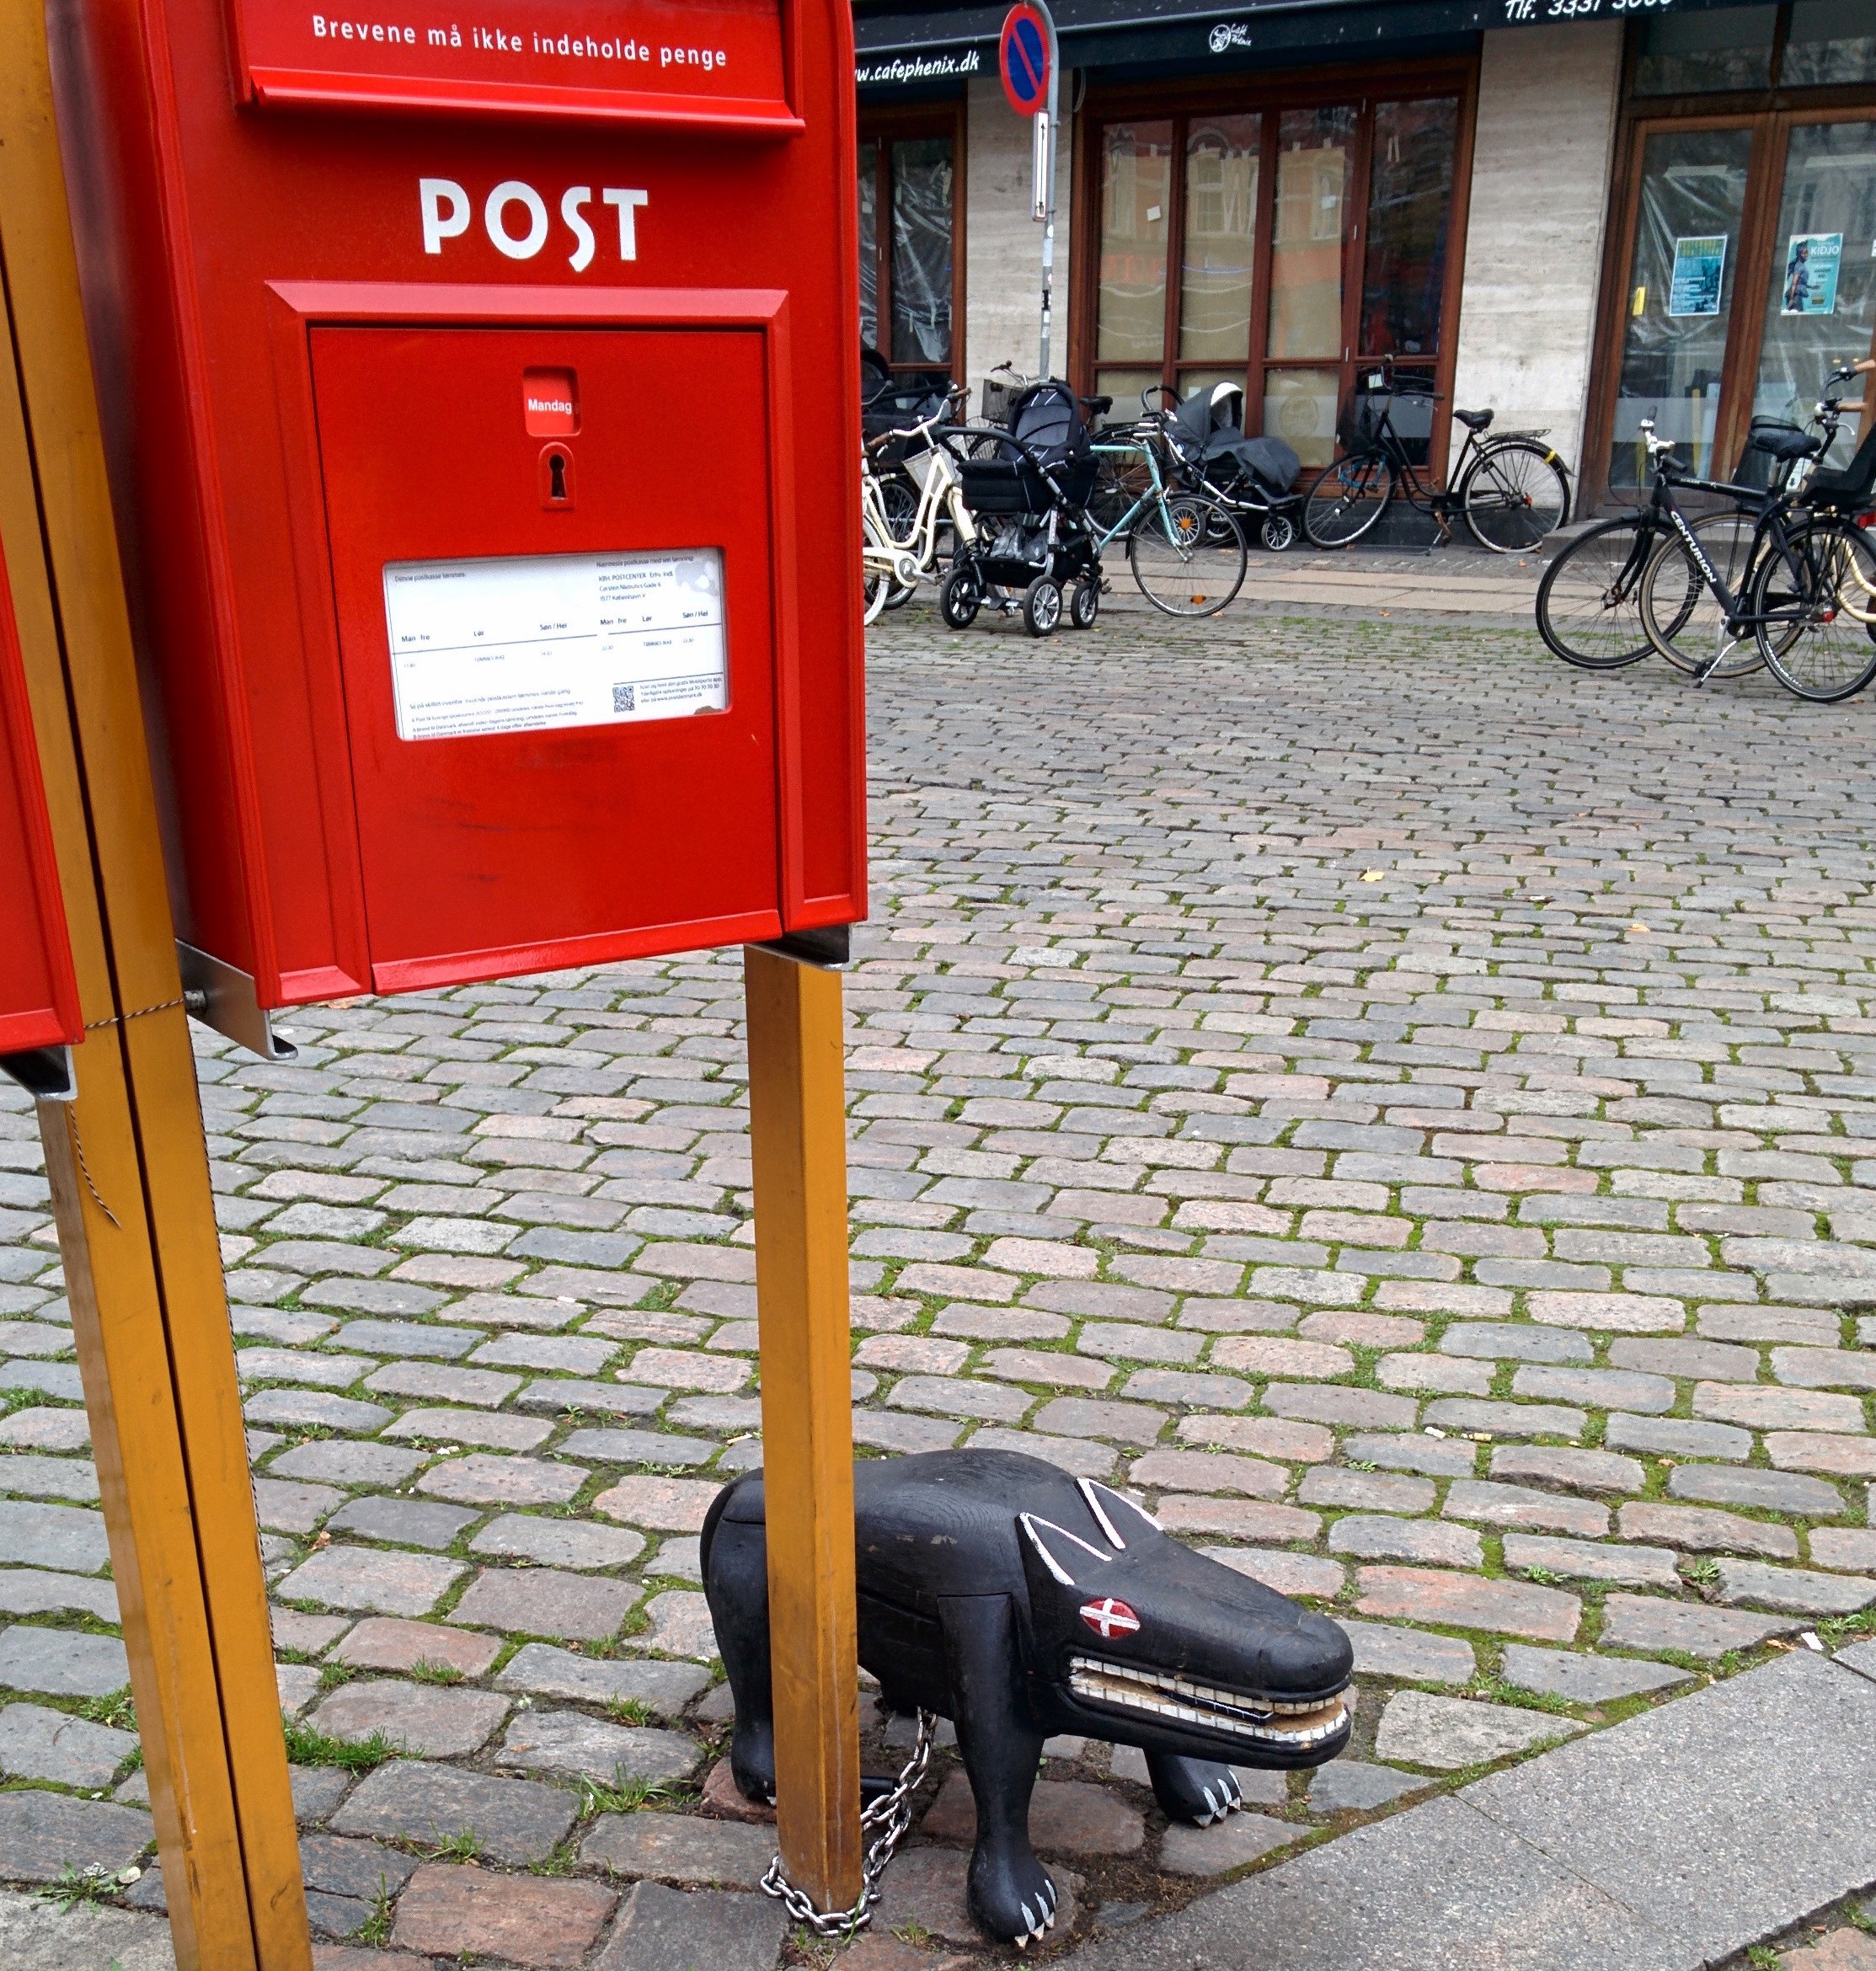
x,y
1049,421
1209,427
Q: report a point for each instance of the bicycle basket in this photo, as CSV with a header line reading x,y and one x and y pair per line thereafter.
x,y
1001,387
1359,423
1411,413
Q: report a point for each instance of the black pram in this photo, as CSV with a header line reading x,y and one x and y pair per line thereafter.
x,y
1026,490
1251,476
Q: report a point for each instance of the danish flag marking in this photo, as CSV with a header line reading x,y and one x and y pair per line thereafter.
x,y
1107,1617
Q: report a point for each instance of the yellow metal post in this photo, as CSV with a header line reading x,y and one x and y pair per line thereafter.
x,y
127,1160
798,1134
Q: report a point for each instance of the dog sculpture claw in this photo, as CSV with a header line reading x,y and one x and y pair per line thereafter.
x,y
1019,1603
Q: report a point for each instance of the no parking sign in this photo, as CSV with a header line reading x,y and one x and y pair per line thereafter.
x,y
1022,58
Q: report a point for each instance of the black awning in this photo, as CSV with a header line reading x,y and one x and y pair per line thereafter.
x,y
936,45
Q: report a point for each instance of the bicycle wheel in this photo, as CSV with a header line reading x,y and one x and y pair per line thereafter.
x,y
1681,614
876,585
1589,610
1514,495
1187,554
1800,587
900,503
1347,499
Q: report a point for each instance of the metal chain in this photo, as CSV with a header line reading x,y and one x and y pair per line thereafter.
x,y
891,1814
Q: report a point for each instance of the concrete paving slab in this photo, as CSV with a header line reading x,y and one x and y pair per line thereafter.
x,y
1667,1843
1723,1815
1437,1889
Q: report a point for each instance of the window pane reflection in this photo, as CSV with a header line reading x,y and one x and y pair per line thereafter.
x,y
1410,194
1299,407
869,245
1221,158
1827,314
1679,296
1831,41
921,190
1314,148
1137,190
1687,54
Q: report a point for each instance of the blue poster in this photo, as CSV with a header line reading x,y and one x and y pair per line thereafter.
x,y
1699,272
1811,264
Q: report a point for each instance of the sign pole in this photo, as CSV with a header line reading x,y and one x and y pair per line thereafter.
x,y
126,1160
1048,150
798,1141
1028,60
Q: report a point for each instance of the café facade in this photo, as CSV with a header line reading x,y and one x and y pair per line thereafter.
x,y
1579,212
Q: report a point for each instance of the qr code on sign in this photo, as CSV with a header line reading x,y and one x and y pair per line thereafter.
x,y
625,698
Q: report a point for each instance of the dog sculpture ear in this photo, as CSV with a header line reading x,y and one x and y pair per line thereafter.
x,y
1030,1524
1096,1498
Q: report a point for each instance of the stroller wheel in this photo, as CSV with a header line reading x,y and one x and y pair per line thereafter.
x,y
1042,605
1084,602
1279,532
959,595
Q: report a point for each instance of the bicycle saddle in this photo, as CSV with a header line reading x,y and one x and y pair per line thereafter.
x,y
1475,420
1789,445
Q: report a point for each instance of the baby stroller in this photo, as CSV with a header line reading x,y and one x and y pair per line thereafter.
x,y
1251,476
1028,489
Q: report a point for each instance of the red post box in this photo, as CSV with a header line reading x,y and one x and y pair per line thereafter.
x,y
38,994
481,386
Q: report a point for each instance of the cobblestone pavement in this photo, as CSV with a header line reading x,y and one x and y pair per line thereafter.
x,y
1406,1110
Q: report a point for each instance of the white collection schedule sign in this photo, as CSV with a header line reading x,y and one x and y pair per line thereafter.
x,y
532,643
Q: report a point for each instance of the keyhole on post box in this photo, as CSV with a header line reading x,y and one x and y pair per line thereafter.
x,y
556,476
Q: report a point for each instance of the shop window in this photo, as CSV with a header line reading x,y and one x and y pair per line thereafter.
x,y
909,265
1309,237
1688,53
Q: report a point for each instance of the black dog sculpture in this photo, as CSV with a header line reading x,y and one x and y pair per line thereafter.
x,y
1018,1602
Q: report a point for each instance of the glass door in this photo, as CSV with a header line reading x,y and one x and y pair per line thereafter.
x,y
1820,302
1683,269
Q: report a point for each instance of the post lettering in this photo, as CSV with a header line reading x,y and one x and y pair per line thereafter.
x,y
511,191
628,203
433,195
582,258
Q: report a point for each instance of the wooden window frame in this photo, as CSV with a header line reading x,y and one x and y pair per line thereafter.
x,y
884,127
1268,95
1770,115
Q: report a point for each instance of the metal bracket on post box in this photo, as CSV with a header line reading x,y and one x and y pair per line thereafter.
x,y
46,1073
228,1004
830,947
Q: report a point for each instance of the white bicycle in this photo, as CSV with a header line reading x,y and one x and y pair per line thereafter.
x,y
900,533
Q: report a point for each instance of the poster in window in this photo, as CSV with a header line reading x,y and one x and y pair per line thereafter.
x,y
1811,264
1699,273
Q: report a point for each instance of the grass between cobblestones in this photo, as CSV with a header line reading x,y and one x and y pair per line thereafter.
x,y
1403,1110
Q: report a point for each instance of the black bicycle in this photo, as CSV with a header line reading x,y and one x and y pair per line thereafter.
x,y
1511,490
1784,577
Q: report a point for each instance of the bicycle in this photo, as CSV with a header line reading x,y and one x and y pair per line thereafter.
x,y
1684,617
901,524
1186,549
1653,570
1511,490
